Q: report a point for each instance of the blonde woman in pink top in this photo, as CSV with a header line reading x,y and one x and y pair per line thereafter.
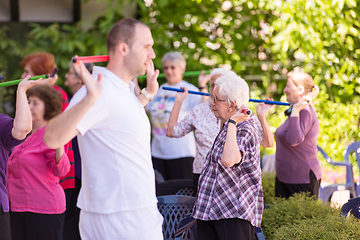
x,y
37,201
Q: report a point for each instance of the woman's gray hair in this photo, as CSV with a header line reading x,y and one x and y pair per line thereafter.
x,y
174,57
233,89
221,71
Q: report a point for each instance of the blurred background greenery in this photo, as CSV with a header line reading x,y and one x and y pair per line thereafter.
x,y
261,40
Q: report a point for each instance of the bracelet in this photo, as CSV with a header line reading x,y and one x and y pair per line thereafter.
x,y
146,94
201,88
232,121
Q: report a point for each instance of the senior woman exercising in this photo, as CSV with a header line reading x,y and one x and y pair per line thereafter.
x,y
230,197
297,167
173,158
37,201
206,126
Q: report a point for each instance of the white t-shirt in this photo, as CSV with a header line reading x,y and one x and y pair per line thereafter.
x,y
114,142
160,108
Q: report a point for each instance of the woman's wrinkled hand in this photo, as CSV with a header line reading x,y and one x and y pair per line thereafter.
x,y
239,116
180,96
203,79
262,108
306,100
26,83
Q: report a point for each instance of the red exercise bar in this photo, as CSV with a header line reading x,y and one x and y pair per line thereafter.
x,y
92,59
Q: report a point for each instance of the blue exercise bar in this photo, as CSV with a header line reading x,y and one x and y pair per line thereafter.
x,y
208,94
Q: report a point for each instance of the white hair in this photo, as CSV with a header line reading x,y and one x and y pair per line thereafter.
x,y
233,89
174,57
221,71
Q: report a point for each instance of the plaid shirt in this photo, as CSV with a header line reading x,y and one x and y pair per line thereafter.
x,y
234,192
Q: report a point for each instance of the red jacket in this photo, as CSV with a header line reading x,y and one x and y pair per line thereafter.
x,y
68,181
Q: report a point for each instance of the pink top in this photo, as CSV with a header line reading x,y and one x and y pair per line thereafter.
x,y
33,177
296,149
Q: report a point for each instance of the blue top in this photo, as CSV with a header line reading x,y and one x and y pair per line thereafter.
x,y
8,142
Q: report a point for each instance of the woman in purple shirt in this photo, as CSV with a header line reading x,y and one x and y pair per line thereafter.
x,y
12,133
297,167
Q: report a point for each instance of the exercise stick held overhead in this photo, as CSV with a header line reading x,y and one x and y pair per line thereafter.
x,y
208,94
15,82
105,58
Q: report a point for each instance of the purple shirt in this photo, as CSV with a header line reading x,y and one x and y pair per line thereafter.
x,y
296,148
8,142
234,192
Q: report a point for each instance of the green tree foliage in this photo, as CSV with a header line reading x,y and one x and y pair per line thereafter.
x,y
210,33
268,184
324,37
261,40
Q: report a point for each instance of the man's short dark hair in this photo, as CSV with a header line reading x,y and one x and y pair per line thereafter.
x,y
122,31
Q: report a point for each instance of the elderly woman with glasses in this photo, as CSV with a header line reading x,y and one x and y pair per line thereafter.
x,y
230,197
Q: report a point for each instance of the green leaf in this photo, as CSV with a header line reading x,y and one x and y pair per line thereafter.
x,y
351,3
162,3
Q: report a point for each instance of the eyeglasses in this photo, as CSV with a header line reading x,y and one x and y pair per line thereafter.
x,y
216,100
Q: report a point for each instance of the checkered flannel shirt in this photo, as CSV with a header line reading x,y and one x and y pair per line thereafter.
x,y
234,192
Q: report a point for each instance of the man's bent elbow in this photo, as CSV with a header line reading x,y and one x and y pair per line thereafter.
x,y
50,141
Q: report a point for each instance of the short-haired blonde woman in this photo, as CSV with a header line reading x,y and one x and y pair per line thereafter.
x,y
172,157
230,198
297,166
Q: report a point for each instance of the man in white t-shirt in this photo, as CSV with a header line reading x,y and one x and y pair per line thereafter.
x,y
117,197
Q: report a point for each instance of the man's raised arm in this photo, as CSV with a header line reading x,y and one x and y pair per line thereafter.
x,y
152,85
61,129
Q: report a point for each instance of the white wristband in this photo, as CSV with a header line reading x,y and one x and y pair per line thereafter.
x,y
146,94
